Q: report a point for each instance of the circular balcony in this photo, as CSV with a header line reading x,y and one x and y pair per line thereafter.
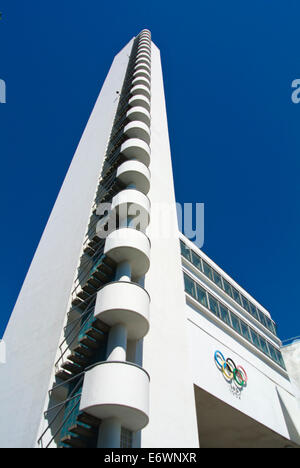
x,y
114,389
143,61
140,66
144,47
143,55
136,149
137,129
134,172
127,303
141,90
142,72
146,39
132,246
132,202
140,114
139,100
141,80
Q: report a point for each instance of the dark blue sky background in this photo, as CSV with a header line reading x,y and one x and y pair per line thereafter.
x,y
234,131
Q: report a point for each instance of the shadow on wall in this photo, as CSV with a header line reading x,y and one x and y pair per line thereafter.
x,y
292,430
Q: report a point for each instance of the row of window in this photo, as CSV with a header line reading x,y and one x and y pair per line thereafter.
x,y
222,283
221,311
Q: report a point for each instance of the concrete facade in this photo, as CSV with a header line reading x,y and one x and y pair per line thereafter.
x,y
106,346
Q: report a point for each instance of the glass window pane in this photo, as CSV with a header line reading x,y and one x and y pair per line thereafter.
x,y
280,359
264,346
269,324
224,314
245,331
246,304
253,311
207,270
218,279
196,260
189,285
213,305
227,287
255,339
185,251
235,323
201,295
236,295
261,317
272,352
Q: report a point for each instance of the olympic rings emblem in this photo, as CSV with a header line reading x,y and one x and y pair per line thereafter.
x,y
230,370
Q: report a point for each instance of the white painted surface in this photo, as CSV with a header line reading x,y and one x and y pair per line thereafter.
x,y
119,390
259,399
124,302
34,330
172,420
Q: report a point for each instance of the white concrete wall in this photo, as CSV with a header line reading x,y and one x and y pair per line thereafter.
x,y
291,356
34,330
165,351
259,399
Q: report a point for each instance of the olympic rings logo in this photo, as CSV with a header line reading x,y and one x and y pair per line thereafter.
x,y
230,370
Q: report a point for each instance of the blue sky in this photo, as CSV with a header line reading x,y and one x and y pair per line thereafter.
x,y
234,130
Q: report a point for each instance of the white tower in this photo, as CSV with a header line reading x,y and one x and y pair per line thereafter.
x,y
96,347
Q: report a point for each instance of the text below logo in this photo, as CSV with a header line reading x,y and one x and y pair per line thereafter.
x,y
230,371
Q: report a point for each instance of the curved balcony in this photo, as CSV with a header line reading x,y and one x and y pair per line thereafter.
x,y
143,61
143,55
132,202
146,39
142,72
132,246
140,66
140,114
144,47
137,129
134,172
145,43
136,149
141,80
114,389
139,100
127,303
141,90
145,36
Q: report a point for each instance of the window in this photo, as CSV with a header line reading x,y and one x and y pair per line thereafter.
x,y
245,331
236,295
224,314
213,305
185,251
201,295
196,261
261,317
253,311
217,279
246,304
273,352
255,339
227,287
207,270
126,438
236,323
264,346
189,285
